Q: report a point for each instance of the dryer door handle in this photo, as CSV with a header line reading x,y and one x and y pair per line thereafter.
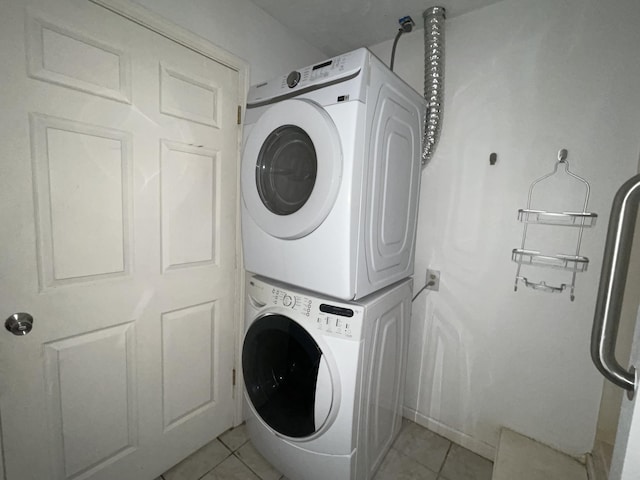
x,y
324,394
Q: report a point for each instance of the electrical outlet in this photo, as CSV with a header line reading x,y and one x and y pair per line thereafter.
x,y
433,280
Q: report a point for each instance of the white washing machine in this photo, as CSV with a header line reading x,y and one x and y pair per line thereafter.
x,y
324,378
331,176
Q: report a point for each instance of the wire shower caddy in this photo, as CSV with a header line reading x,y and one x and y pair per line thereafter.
x,y
575,263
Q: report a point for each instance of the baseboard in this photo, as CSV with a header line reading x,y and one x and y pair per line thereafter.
x,y
476,446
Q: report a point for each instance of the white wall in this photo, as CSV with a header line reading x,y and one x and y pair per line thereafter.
x,y
245,30
523,79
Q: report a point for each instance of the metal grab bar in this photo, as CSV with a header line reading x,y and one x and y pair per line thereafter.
x,y
613,278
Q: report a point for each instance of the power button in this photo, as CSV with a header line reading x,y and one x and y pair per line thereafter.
x,y
293,79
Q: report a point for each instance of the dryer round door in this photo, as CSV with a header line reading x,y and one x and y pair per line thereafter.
x,y
286,376
291,168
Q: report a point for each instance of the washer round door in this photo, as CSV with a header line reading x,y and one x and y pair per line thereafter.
x,y
286,376
291,168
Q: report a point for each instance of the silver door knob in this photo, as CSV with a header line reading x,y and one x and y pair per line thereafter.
x,y
19,323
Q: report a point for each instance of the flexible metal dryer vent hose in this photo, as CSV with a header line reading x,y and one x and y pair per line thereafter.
x,y
433,78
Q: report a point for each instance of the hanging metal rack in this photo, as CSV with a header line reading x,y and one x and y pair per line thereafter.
x,y
580,220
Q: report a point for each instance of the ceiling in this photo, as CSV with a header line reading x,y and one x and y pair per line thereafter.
x,y
337,26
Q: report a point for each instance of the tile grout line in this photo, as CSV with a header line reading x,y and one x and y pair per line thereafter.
x,y
217,464
243,444
250,469
446,457
245,464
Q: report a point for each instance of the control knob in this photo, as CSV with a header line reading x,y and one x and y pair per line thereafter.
x,y
293,78
287,300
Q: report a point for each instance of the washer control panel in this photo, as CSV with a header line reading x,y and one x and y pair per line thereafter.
x,y
338,319
298,303
335,325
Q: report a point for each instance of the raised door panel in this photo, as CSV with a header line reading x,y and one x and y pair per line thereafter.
x,y
92,402
189,97
188,357
81,185
69,57
189,192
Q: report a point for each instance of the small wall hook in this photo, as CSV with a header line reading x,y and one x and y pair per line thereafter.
x,y
562,155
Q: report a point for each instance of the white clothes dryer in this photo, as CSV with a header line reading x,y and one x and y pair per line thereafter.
x,y
331,176
324,378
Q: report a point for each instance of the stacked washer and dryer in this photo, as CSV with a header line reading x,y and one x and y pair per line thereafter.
x,y
330,182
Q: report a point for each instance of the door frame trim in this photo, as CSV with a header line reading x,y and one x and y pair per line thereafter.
x,y
156,23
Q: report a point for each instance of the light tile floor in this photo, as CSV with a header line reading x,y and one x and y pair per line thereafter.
x,y
525,459
417,454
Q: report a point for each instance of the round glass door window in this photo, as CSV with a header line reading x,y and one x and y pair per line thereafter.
x,y
281,363
291,168
286,170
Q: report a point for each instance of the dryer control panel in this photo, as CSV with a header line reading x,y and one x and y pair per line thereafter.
x,y
337,319
334,71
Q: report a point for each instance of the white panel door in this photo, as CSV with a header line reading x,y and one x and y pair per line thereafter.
x,y
118,191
